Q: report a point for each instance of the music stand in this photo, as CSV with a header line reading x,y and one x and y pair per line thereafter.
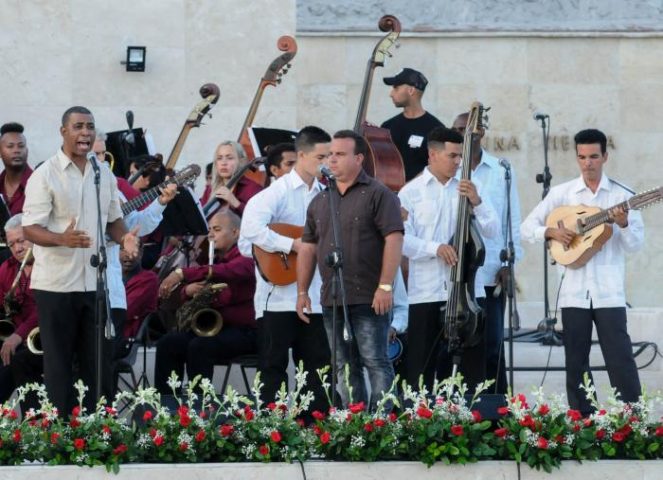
x,y
261,138
124,145
184,215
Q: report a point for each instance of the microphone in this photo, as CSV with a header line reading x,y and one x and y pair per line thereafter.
x,y
92,158
504,163
540,116
129,137
326,172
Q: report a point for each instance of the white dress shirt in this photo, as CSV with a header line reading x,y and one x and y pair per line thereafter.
x,y
148,220
56,193
284,201
490,175
600,282
432,212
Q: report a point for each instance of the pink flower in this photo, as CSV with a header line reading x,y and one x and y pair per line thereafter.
x,y
263,449
356,407
226,430
542,443
424,412
111,411
324,438
79,443
501,432
276,436
457,430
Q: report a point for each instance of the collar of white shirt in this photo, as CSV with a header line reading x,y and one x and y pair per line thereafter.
x,y
580,184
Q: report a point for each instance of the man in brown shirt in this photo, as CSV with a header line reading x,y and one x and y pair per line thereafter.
x,y
371,232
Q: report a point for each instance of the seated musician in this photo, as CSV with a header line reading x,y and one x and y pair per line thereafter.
x,y
234,303
147,171
281,159
431,202
229,157
142,287
593,293
18,303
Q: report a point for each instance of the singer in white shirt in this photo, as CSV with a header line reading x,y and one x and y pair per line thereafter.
x,y
279,327
431,202
60,218
490,174
593,293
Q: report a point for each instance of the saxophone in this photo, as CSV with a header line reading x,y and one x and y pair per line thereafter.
x,y
196,314
11,304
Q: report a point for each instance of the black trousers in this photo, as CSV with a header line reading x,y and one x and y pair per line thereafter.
x,y
26,367
427,352
616,348
494,315
67,329
277,333
200,354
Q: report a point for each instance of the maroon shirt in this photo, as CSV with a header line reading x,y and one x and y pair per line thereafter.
x,y
15,204
235,302
142,299
244,190
27,318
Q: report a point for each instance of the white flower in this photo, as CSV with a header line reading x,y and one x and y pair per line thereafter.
x,y
357,441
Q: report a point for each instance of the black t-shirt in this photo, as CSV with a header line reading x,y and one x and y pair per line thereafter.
x,y
409,136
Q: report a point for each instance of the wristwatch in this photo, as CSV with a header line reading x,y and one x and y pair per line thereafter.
x,y
386,287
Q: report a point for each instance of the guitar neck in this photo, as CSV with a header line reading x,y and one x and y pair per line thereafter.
x,y
177,148
636,202
145,197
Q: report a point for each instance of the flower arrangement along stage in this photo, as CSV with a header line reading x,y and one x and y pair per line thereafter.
x,y
430,427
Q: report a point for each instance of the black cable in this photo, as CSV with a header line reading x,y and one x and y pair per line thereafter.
x,y
301,464
559,290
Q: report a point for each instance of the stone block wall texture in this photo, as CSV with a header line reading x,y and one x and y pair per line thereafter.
x,y
57,54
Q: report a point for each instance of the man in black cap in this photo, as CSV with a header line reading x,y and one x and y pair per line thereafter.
x,y
410,128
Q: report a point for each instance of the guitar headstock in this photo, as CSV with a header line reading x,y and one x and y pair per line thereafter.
x,y
210,93
281,64
187,175
391,24
644,199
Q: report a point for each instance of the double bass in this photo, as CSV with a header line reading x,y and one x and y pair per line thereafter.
x,y
463,318
273,76
383,160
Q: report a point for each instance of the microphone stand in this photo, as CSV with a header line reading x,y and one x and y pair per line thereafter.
x,y
508,255
545,332
100,262
335,261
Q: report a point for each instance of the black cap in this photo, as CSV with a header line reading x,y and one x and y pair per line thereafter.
x,y
408,76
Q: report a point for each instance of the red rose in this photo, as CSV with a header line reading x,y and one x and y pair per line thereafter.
x,y
317,430
393,417
503,410
528,421
576,428
226,430
79,443
147,416
379,423
248,414
183,410
106,429
264,450
521,399
17,436
283,407
544,409
54,437
45,423
200,436
602,412
324,438
574,415
368,427
542,443
618,437
300,422
501,432
276,436
600,433
659,431
74,423
183,447
185,420
111,411
202,414
152,432
356,407
626,430
120,449
476,415
271,406
76,411
633,419
158,440
587,422
424,412
457,430
13,414
318,415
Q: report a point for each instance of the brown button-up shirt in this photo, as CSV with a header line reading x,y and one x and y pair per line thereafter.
x,y
367,212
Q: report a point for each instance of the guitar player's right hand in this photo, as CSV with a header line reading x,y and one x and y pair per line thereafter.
x,y
296,243
563,235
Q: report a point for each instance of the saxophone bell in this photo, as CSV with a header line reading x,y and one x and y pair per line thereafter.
x,y
33,342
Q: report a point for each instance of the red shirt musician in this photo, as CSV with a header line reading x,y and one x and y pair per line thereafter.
x,y
14,153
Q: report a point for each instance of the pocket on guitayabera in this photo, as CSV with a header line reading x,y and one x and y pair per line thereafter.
x,y
610,280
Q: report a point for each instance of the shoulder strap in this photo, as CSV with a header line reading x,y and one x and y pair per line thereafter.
x,y
622,186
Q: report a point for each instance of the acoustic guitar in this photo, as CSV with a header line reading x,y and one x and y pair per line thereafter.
x,y
592,228
278,268
210,94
